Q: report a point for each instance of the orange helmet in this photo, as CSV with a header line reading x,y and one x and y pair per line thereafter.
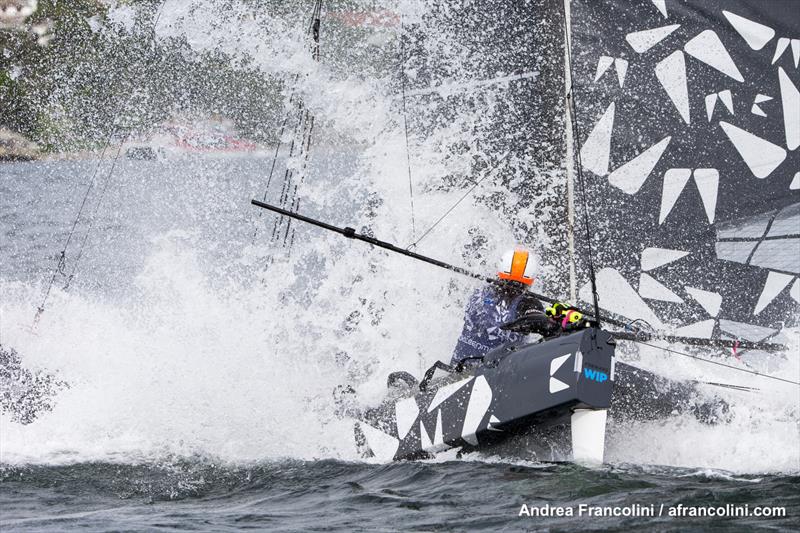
x,y
517,265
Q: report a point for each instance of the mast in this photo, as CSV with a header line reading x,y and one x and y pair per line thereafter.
x,y
570,155
575,134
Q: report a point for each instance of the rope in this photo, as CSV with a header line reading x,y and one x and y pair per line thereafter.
x,y
469,191
287,175
60,266
295,203
302,137
277,149
93,218
754,372
308,118
405,124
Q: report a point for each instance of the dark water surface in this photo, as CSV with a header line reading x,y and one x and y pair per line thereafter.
x,y
331,495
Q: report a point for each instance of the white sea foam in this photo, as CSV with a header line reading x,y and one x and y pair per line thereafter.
x,y
240,364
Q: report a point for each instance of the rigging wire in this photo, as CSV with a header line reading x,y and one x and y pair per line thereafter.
x,y
728,386
299,147
62,261
405,123
452,207
577,136
277,150
718,363
92,219
295,204
305,146
287,175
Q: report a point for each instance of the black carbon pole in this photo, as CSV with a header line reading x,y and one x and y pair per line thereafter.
x,y
711,343
350,233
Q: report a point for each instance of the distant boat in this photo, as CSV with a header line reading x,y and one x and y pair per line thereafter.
x,y
178,139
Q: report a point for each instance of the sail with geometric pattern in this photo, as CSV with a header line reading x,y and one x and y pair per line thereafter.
x,y
688,128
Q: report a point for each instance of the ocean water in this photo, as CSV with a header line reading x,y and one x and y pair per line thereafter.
x,y
330,495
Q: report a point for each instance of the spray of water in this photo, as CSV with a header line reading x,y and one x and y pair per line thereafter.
x,y
207,352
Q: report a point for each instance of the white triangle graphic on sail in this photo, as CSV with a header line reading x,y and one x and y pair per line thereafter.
x,y
727,99
796,51
795,184
757,35
790,99
617,295
757,111
711,102
707,48
653,290
622,68
642,41
631,176
742,330
711,301
602,66
707,181
662,6
795,290
674,182
671,73
762,157
761,98
595,151
653,258
698,330
776,282
783,44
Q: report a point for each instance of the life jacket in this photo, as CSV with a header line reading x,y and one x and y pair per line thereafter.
x,y
488,308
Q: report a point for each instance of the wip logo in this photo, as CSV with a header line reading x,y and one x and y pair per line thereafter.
x,y
556,385
595,375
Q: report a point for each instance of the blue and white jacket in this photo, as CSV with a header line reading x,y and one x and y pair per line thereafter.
x,y
488,308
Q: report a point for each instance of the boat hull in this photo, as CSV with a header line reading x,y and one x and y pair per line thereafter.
x,y
515,390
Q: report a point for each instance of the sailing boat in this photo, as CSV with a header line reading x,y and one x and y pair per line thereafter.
x,y
674,260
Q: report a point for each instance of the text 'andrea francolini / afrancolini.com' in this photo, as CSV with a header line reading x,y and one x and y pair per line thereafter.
x,y
637,510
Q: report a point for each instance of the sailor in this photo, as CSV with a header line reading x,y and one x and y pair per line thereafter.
x,y
505,301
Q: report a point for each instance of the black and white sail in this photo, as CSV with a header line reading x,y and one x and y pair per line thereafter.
x,y
688,116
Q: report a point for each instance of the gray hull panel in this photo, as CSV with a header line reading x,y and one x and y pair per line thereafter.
x,y
513,391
